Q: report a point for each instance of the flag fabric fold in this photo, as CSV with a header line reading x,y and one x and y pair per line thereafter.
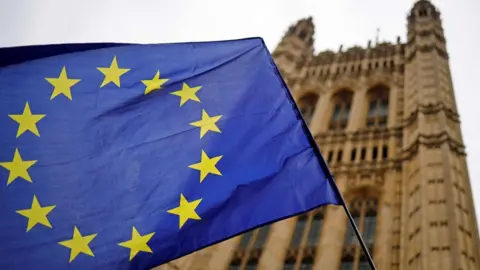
x,y
116,156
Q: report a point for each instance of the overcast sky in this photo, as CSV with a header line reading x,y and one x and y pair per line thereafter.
x,y
347,22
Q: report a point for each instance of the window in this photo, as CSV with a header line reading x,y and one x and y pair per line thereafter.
x,y
249,241
363,265
363,153
346,265
307,114
385,152
374,153
353,154
298,231
235,264
307,105
364,213
245,239
350,236
370,223
302,35
422,13
261,237
289,264
315,229
339,156
307,263
330,156
341,110
251,264
378,106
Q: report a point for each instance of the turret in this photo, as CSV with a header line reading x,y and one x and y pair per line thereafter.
x,y
426,60
295,48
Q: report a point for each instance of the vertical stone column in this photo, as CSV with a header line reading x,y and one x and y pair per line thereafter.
x,y
357,113
393,96
329,251
221,258
321,115
277,244
178,264
383,235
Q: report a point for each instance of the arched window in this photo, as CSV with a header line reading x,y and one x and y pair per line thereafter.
x,y
342,102
307,105
364,213
378,106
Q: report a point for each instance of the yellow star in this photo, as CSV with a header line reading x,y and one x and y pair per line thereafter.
x,y
137,243
36,214
112,73
18,168
207,123
27,121
186,210
154,84
78,244
206,166
187,93
62,84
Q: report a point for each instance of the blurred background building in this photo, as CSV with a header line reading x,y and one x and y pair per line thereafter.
x,y
386,121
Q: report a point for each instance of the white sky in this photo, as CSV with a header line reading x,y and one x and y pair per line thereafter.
x,y
346,22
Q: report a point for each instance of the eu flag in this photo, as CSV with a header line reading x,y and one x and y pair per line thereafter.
x,y
127,156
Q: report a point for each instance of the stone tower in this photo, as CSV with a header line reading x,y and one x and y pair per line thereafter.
x,y
437,194
385,119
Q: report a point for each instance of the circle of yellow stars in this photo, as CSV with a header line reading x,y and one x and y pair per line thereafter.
x,y
62,85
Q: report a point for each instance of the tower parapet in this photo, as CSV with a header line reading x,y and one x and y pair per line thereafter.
x,y
355,61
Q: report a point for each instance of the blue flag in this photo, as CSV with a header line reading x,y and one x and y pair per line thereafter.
x,y
116,156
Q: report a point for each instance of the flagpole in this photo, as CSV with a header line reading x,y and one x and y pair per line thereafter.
x,y
330,177
352,222
342,201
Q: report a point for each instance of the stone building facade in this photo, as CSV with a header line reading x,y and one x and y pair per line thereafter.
x,y
386,120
